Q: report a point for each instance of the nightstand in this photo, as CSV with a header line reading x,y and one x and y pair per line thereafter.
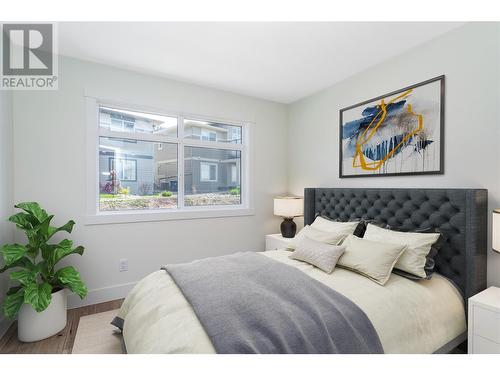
x,y
484,322
276,241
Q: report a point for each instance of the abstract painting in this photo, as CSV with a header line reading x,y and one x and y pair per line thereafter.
x,y
400,133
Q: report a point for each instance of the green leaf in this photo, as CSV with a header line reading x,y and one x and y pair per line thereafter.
x,y
43,228
12,253
63,249
23,220
25,277
54,253
70,278
13,290
68,227
38,295
13,302
23,262
48,249
33,208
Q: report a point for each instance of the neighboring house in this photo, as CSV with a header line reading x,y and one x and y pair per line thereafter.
x,y
149,168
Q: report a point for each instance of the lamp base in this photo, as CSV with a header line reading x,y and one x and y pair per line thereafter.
x,y
288,227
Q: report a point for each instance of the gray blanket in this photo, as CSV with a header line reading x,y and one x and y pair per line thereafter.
x,y
249,303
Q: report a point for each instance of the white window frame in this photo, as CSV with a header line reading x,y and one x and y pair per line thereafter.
x,y
94,216
209,164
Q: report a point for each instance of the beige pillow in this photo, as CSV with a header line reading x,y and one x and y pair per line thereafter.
x,y
346,227
317,235
418,246
369,258
318,254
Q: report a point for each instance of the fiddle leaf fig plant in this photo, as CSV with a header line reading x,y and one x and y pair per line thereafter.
x,y
33,265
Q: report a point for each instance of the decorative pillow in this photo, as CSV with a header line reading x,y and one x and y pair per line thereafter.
x,y
331,238
419,246
327,225
360,228
369,258
318,254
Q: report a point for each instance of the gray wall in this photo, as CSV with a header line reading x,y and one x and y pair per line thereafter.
x,y
469,57
6,177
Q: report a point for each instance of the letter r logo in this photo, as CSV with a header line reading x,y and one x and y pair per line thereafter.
x,y
27,49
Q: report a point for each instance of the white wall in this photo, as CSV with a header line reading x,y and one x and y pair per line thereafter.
x,y
6,201
469,57
49,150
49,144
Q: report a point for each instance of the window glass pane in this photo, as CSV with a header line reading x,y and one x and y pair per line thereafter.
x,y
212,131
211,176
137,122
137,175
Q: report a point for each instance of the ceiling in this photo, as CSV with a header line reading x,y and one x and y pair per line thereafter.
x,y
282,62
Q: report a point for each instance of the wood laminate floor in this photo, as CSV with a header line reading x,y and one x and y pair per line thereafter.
x,y
62,343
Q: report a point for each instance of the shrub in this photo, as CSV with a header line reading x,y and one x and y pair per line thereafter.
x,y
108,188
166,193
234,191
124,190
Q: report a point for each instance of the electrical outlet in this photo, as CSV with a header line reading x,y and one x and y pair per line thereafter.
x,y
123,265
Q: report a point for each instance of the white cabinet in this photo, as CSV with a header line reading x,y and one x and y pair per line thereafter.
x,y
484,322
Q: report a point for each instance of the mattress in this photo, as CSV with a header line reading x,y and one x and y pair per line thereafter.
x,y
409,316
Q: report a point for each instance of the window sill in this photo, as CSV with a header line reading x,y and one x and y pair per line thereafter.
x,y
148,216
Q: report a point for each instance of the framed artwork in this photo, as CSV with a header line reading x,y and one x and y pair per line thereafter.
x,y
397,134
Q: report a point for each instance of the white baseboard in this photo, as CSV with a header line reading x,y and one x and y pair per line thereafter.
x,y
4,325
101,295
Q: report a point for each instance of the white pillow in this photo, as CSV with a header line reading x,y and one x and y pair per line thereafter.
x,y
346,227
418,246
330,238
318,254
369,258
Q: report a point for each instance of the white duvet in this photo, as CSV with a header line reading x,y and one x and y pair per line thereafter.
x,y
409,316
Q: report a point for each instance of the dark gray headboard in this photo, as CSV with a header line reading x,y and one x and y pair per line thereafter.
x,y
460,213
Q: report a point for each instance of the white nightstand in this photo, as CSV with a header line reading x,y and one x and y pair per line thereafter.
x,y
276,241
484,322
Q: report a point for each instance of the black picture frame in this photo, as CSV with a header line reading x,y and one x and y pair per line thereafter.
x,y
440,78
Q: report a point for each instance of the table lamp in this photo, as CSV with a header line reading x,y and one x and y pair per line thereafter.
x,y
495,243
288,208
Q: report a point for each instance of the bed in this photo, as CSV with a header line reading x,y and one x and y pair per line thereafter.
x,y
428,316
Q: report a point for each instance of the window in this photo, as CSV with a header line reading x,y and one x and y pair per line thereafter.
x,y
139,170
123,123
137,175
120,120
207,135
208,172
212,131
234,173
125,169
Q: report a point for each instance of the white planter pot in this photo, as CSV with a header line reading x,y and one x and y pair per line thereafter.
x,y
34,326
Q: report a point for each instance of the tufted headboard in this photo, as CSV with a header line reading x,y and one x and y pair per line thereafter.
x,y
461,214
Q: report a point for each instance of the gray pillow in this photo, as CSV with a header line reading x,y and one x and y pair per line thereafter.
x,y
319,254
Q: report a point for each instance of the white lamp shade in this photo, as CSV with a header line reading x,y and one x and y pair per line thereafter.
x,y
288,206
496,230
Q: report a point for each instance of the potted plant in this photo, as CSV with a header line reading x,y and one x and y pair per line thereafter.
x,y
40,296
